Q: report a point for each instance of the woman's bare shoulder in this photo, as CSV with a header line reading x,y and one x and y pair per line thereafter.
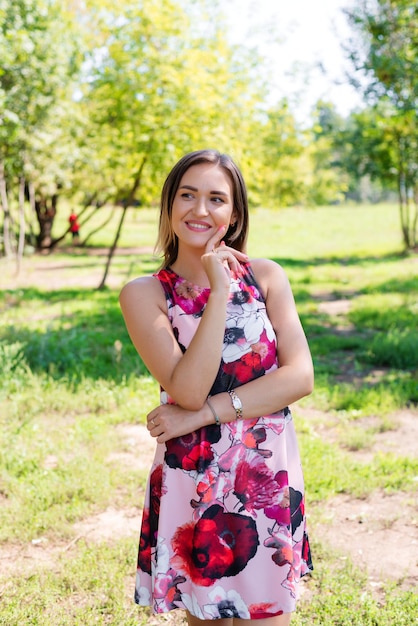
x,y
266,271
144,289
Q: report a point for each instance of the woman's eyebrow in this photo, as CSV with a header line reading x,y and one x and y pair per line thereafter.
x,y
218,193
188,187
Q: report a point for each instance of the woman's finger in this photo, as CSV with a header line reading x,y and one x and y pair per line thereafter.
x,y
215,240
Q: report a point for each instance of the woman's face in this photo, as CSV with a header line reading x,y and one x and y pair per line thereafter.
x,y
203,203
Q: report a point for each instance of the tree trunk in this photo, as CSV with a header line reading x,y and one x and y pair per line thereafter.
x,y
22,225
7,231
403,195
113,248
46,210
415,218
126,205
31,198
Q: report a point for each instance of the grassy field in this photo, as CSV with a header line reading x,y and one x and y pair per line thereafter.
x,y
72,387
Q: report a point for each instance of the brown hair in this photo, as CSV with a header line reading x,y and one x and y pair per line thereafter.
x,y
236,235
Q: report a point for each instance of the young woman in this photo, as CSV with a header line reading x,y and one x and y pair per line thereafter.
x,y
223,533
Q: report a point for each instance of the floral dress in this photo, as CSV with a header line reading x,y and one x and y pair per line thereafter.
x,y
223,531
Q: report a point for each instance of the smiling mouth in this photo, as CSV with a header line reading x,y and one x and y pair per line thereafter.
x,y
196,226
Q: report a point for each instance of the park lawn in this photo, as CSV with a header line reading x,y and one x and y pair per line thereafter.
x,y
71,381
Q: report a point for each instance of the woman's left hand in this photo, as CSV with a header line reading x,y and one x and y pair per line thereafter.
x,y
167,421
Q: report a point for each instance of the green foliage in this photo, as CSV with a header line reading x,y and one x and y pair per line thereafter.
x,y
137,131
329,182
278,170
370,397
391,36
387,133
81,117
38,58
72,595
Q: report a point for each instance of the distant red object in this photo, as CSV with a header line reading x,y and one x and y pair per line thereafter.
x,y
74,225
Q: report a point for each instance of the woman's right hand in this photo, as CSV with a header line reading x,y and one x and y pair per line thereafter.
x,y
168,421
219,260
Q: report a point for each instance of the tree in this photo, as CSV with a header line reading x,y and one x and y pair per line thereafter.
x,y
39,54
329,182
279,169
155,87
388,61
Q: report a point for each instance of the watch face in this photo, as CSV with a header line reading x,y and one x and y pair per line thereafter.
x,y
236,402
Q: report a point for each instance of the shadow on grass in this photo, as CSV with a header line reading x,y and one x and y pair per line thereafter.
x,y
75,344
86,335
407,286
345,261
24,295
92,259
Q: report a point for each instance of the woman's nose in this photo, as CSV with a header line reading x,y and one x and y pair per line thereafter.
x,y
201,207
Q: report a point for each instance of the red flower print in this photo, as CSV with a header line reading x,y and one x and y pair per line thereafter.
x,y
149,528
279,510
266,350
258,611
281,541
200,455
246,368
192,452
218,544
186,290
255,486
306,555
253,437
144,553
156,481
166,590
189,298
297,508
252,360
207,490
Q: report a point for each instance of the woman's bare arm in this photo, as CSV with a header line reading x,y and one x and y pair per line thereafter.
x,y
188,377
264,395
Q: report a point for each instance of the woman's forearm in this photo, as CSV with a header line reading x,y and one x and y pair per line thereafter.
x,y
193,376
264,395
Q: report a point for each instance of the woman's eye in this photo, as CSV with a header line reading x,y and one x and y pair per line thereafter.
x,y
187,195
218,200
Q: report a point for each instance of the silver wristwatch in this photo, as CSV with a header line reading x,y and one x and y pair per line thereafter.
x,y
236,403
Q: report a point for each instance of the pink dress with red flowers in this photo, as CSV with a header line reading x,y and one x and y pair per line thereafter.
x,y
223,531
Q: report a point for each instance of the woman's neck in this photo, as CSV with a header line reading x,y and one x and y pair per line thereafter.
x,y
189,266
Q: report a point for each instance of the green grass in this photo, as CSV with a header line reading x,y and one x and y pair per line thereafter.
x,y
339,598
330,470
70,377
90,588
